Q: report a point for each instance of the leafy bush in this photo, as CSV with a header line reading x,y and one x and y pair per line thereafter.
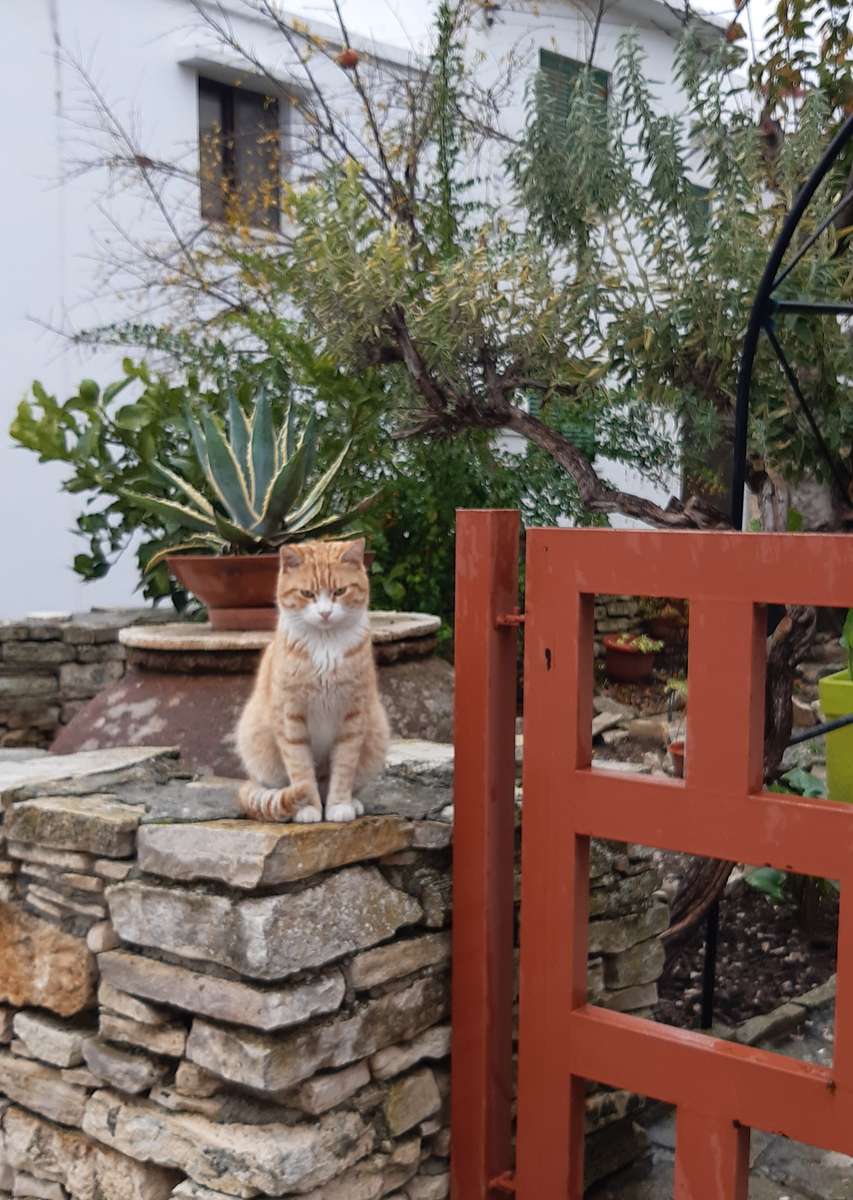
x,y
118,449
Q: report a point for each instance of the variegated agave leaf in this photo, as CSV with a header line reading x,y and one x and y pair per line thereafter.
x,y
225,476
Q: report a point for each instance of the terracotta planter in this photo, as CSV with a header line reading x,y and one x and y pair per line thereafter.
x,y
626,665
676,754
237,590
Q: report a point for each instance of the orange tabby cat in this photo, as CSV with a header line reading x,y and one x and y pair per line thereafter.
x,y
314,726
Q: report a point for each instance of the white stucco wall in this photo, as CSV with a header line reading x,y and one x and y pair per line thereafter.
x,y
55,229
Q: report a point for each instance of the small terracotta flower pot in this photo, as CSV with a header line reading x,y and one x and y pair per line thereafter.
x,y
676,754
625,664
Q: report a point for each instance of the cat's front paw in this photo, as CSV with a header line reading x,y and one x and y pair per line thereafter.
x,y
358,806
341,812
308,815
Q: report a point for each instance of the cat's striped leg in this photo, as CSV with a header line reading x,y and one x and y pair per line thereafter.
x,y
303,793
346,755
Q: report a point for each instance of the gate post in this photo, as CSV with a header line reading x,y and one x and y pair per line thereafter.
x,y
487,545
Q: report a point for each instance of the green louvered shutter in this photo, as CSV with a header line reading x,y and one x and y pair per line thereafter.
x,y
560,73
580,431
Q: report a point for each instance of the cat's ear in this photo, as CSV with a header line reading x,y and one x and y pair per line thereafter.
x,y
289,558
354,553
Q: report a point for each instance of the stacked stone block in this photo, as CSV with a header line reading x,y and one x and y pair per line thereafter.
x,y
614,615
201,1007
51,665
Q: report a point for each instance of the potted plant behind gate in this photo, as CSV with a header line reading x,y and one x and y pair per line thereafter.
x,y
676,698
630,657
836,700
665,619
258,500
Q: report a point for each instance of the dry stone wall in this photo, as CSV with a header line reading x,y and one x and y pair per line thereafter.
x,y
51,665
614,615
201,1007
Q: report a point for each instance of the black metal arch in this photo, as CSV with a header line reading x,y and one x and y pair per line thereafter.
x,y
767,306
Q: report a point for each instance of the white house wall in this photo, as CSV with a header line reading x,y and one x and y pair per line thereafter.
x,y
145,59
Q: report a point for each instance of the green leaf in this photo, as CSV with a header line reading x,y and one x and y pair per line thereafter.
x,y
186,518
88,391
113,389
234,535
795,521
847,640
768,880
320,488
238,433
200,543
282,492
226,477
263,449
201,502
199,443
133,417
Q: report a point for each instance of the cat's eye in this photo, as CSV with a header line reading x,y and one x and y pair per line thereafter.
x,y
307,595
339,592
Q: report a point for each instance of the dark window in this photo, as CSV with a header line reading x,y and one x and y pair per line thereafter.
x,y
240,155
559,74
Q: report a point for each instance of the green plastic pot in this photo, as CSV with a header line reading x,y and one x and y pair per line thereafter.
x,y
836,700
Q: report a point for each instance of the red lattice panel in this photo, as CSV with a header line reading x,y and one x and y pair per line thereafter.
x,y
719,809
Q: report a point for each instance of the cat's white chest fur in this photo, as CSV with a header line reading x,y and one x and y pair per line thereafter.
x,y
327,647
325,713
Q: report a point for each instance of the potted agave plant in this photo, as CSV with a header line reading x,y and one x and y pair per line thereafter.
x,y
630,657
836,700
259,498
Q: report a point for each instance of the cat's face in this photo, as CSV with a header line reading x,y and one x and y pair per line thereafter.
x,y
322,586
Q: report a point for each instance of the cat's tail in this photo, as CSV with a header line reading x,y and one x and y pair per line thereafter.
x,y
267,804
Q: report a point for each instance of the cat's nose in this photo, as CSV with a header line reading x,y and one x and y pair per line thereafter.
x,y
326,614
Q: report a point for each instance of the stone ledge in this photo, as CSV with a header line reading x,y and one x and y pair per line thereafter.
x,y
250,854
270,937
384,627
267,1009
48,773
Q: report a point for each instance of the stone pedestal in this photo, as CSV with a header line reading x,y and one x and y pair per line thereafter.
x,y
186,685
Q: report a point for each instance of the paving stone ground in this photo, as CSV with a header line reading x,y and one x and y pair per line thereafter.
x,y
780,1169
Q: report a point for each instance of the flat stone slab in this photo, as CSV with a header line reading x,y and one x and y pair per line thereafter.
x,y
239,1160
84,824
417,781
224,999
207,799
274,1064
384,627
265,938
250,854
50,1040
41,1089
44,773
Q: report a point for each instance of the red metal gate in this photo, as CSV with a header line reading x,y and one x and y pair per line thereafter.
x,y
719,809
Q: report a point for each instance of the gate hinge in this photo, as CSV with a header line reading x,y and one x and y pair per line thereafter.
x,y
510,619
503,1183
